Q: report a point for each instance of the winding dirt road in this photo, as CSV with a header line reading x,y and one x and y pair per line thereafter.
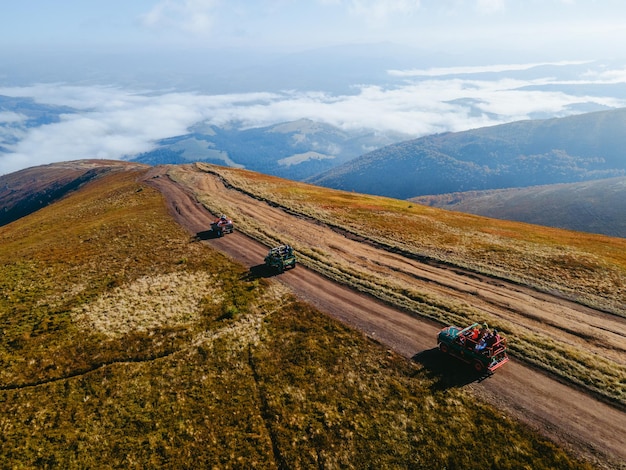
x,y
590,428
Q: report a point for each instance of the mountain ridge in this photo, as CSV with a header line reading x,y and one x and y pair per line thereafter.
x,y
26,191
277,149
523,153
595,206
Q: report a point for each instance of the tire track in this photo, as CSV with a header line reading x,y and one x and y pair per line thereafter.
x,y
570,417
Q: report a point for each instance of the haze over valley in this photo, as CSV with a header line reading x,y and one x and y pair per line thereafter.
x,y
117,82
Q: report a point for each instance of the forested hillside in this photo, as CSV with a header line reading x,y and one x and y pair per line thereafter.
x,y
294,150
524,153
597,206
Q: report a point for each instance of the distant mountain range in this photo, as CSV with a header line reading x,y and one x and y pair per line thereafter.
x,y
460,166
472,171
525,153
597,206
293,150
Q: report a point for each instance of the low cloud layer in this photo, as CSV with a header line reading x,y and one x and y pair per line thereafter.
x,y
108,122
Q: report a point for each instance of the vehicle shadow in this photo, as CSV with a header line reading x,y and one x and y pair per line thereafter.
x,y
447,371
206,235
260,271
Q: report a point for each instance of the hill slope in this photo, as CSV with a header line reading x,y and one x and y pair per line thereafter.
x,y
127,342
293,150
525,153
29,190
597,206
342,236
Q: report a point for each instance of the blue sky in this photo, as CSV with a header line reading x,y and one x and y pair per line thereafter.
x,y
569,27
134,72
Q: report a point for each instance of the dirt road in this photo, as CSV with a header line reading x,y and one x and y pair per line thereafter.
x,y
591,428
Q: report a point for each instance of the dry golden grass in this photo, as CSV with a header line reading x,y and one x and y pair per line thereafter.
x,y
587,268
227,372
150,302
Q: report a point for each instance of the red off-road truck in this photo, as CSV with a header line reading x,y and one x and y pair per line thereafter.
x,y
476,345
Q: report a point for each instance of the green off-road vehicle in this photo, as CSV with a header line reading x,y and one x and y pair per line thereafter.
x,y
281,258
476,345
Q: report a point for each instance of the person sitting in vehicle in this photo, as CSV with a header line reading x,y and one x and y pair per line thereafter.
x,y
485,340
484,337
495,338
474,334
487,337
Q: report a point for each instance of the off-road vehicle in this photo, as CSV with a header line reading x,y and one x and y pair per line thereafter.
x,y
476,345
280,258
221,226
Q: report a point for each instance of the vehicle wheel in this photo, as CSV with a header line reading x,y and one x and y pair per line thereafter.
x,y
443,348
479,366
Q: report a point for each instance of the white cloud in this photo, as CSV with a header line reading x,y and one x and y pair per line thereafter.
x,y
377,12
434,72
605,76
112,123
11,117
192,16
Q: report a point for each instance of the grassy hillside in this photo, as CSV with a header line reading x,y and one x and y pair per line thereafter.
x,y
28,190
589,269
126,344
519,154
592,206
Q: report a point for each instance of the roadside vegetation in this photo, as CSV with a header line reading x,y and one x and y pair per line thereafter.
x,y
125,343
586,268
